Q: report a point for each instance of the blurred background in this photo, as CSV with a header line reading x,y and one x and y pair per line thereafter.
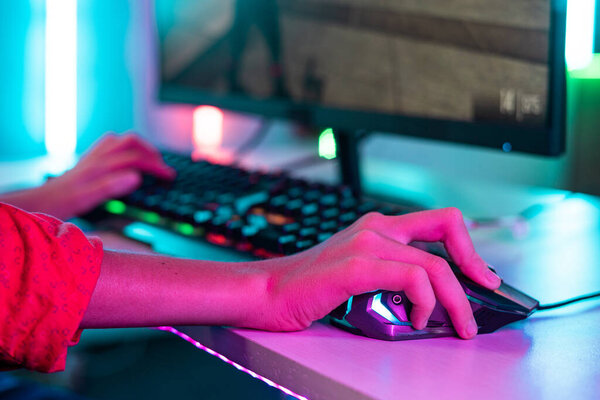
x,y
117,86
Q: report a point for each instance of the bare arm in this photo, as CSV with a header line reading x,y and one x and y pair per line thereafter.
x,y
152,290
289,293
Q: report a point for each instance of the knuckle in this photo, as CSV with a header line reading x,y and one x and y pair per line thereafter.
x,y
437,266
354,269
417,276
454,214
370,219
363,238
109,138
129,137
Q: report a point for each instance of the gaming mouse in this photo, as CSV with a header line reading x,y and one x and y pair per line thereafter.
x,y
385,315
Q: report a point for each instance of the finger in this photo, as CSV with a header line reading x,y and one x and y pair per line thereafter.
x,y
445,225
109,186
377,274
140,162
443,281
131,141
104,145
99,149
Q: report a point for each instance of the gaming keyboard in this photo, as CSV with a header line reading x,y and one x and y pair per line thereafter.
x,y
264,213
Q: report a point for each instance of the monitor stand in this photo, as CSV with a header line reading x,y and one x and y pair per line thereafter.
x,y
347,143
349,162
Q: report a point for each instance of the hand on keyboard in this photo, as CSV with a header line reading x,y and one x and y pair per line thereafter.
x,y
371,254
112,168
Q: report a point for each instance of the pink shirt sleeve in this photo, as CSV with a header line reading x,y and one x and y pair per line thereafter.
x,y
48,271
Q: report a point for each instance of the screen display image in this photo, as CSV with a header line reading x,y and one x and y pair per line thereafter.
x,y
468,61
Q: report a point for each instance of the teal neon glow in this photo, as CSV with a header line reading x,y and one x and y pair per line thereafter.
x,y
380,309
33,70
349,305
61,78
115,207
327,147
579,46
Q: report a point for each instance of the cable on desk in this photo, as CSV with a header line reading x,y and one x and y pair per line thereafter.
x,y
302,162
255,139
567,302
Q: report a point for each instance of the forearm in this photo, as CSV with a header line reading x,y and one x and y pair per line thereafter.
x,y
153,290
39,199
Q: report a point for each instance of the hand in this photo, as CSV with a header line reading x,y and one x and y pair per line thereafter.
x,y
112,168
374,253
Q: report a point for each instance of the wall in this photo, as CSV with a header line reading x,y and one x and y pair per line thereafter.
x,y
21,79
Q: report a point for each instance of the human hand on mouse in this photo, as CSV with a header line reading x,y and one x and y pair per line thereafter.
x,y
112,168
374,253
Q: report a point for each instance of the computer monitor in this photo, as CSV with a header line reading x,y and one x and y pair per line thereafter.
x,y
487,72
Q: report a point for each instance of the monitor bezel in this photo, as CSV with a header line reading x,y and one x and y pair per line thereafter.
x,y
549,140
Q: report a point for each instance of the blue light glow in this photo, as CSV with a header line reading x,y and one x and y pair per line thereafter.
x,y
33,88
382,310
61,79
349,305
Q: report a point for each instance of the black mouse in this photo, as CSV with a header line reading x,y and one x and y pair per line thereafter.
x,y
385,315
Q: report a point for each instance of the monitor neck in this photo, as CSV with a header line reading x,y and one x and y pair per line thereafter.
x,y
347,143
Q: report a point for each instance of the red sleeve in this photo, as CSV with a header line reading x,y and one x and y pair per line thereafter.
x,y
48,271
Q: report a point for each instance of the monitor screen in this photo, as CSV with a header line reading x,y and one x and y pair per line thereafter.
x,y
456,70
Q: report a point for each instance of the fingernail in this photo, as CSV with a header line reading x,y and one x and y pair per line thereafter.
x,y
472,328
492,278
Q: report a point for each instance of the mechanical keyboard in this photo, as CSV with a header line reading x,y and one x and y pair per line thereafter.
x,y
264,213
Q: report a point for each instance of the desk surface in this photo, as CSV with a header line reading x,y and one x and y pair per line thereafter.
x,y
553,354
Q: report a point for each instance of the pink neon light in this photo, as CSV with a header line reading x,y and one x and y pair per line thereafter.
x,y
208,128
228,361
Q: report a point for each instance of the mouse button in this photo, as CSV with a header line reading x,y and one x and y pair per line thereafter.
x,y
517,298
397,303
503,298
481,295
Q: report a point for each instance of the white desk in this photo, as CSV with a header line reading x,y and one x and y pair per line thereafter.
x,y
551,355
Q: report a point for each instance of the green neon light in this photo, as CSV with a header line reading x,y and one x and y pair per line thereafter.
x,y
185,229
115,207
592,71
327,147
150,217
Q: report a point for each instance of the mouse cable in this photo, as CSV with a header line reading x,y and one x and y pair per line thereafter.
x,y
255,139
567,302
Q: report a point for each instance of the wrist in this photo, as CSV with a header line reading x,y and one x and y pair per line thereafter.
x,y
249,297
52,200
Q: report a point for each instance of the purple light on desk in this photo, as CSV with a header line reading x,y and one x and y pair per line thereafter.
x,y
228,361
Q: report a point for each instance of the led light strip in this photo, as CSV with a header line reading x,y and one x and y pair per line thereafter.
x,y
61,78
579,46
228,361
